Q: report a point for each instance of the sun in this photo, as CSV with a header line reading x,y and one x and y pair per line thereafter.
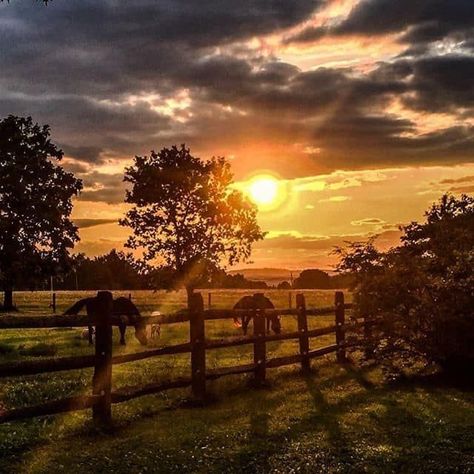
x,y
263,190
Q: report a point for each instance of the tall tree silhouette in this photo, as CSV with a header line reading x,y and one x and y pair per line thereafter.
x,y
186,216
35,204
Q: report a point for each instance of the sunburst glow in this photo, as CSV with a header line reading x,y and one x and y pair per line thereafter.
x,y
263,190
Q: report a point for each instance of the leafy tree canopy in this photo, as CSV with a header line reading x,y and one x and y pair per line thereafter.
x,y
313,278
35,204
423,290
186,216
112,271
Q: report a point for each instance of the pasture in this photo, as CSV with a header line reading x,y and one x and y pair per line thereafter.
x,y
341,418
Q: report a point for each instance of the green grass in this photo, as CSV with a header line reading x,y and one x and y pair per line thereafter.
x,y
31,302
338,419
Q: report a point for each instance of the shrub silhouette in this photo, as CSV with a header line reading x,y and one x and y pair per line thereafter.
x,y
423,289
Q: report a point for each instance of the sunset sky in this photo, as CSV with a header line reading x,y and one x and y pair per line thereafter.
x,y
363,111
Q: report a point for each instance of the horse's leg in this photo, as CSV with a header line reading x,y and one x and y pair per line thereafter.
x,y
122,328
90,335
245,323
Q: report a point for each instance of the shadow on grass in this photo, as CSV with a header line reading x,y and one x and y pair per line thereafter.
x,y
349,425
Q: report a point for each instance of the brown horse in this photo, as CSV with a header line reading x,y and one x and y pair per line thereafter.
x,y
252,303
123,308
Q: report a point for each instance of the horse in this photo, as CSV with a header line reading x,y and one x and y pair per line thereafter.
x,y
121,307
252,303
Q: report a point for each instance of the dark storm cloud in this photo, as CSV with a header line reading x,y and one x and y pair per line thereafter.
x,y
73,64
109,46
85,153
86,128
86,223
342,113
419,21
87,68
440,84
108,188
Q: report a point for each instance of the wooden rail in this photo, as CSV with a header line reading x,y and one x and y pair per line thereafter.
x,y
42,321
102,395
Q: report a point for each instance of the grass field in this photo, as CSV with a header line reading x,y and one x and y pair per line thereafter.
x,y
338,419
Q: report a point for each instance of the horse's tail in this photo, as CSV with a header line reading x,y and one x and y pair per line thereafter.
x,y
76,307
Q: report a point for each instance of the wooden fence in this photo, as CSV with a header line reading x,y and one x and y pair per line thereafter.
x,y
103,360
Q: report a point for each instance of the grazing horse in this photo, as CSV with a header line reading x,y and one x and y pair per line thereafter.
x,y
252,303
123,308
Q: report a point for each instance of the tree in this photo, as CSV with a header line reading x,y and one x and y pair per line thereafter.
x,y
423,290
112,271
186,216
313,278
35,204
221,279
284,285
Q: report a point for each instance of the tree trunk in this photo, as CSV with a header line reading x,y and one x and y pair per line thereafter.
x,y
8,299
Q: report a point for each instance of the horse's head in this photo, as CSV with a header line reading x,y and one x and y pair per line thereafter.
x,y
276,324
140,333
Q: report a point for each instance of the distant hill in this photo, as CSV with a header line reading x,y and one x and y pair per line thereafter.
x,y
271,276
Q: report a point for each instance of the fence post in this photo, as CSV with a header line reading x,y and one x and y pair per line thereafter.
x,y
102,379
340,332
290,303
303,329
198,346
53,303
259,347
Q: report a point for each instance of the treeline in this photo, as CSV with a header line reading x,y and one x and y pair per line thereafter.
x,y
317,280
121,271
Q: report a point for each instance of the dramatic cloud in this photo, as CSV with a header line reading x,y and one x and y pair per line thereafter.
x,y
108,188
86,223
420,21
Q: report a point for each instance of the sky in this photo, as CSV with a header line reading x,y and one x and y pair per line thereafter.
x,y
362,110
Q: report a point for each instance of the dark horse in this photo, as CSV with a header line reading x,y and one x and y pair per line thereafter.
x,y
123,308
252,303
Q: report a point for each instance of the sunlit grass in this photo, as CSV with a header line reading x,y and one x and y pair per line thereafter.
x,y
338,419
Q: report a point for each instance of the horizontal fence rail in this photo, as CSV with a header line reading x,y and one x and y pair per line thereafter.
x,y
42,321
102,395
34,367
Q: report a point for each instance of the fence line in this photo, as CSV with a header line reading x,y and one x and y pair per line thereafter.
x,y
42,321
102,395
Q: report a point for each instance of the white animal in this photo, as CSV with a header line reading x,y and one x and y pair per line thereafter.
x,y
155,329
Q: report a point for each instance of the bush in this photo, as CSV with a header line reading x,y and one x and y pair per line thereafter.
x,y
423,290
